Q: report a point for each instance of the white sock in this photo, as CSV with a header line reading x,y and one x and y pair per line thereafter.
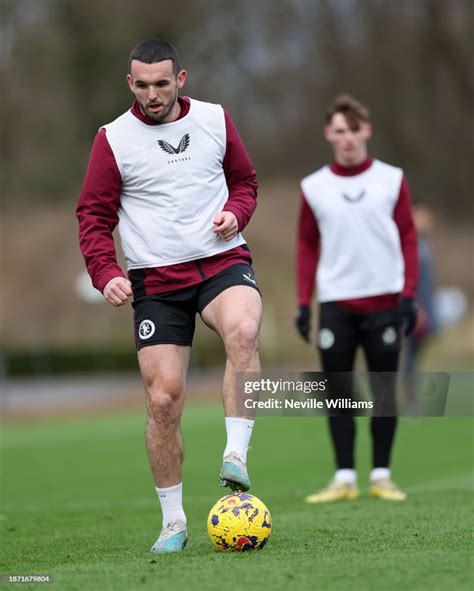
x,y
346,476
171,501
239,432
379,473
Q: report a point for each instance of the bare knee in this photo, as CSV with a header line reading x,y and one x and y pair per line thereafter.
x,y
242,340
164,401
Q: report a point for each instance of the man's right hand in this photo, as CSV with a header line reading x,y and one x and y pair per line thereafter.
x,y
303,322
117,291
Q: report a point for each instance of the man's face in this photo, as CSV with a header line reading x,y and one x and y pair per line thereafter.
x,y
156,87
349,145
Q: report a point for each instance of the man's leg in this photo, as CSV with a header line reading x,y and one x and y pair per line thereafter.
x,y
337,346
163,369
235,314
381,343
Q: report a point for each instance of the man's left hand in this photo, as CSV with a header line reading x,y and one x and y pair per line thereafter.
x,y
226,225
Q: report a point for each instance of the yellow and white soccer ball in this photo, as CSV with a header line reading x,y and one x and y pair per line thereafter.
x,y
239,522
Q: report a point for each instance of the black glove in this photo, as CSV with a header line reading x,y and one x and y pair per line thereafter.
x,y
303,322
409,314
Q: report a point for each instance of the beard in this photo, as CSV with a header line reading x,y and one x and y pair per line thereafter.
x,y
166,110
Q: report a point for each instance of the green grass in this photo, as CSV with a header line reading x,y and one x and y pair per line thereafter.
x,y
79,504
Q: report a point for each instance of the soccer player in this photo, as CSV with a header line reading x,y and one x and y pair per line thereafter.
x,y
173,173
427,321
357,241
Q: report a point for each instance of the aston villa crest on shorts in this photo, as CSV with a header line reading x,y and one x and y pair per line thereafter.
x,y
146,329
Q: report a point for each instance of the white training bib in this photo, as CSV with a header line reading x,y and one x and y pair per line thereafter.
x,y
173,185
360,253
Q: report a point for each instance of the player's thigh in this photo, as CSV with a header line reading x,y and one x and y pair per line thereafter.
x,y
164,367
164,330
231,301
381,341
381,338
235,314
336,338
238,307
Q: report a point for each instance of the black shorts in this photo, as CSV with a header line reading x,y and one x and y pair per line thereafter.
x,y
170,317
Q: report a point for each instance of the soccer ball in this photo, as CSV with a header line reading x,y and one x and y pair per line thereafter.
x,y
239,523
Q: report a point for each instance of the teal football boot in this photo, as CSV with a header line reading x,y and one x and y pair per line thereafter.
x,y
172,538
234,474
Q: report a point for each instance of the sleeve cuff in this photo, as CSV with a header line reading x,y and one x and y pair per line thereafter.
x,y
237,215
103,279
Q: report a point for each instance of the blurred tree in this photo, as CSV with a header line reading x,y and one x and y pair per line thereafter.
x,y
273,64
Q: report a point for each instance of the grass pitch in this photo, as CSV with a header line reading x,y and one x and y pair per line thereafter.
x,y
78,503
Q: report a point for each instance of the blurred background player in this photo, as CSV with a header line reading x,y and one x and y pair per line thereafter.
x,y
438,308
173,173
425,298
357,240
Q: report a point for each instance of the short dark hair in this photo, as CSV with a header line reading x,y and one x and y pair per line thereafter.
x,y
152,51
353,110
